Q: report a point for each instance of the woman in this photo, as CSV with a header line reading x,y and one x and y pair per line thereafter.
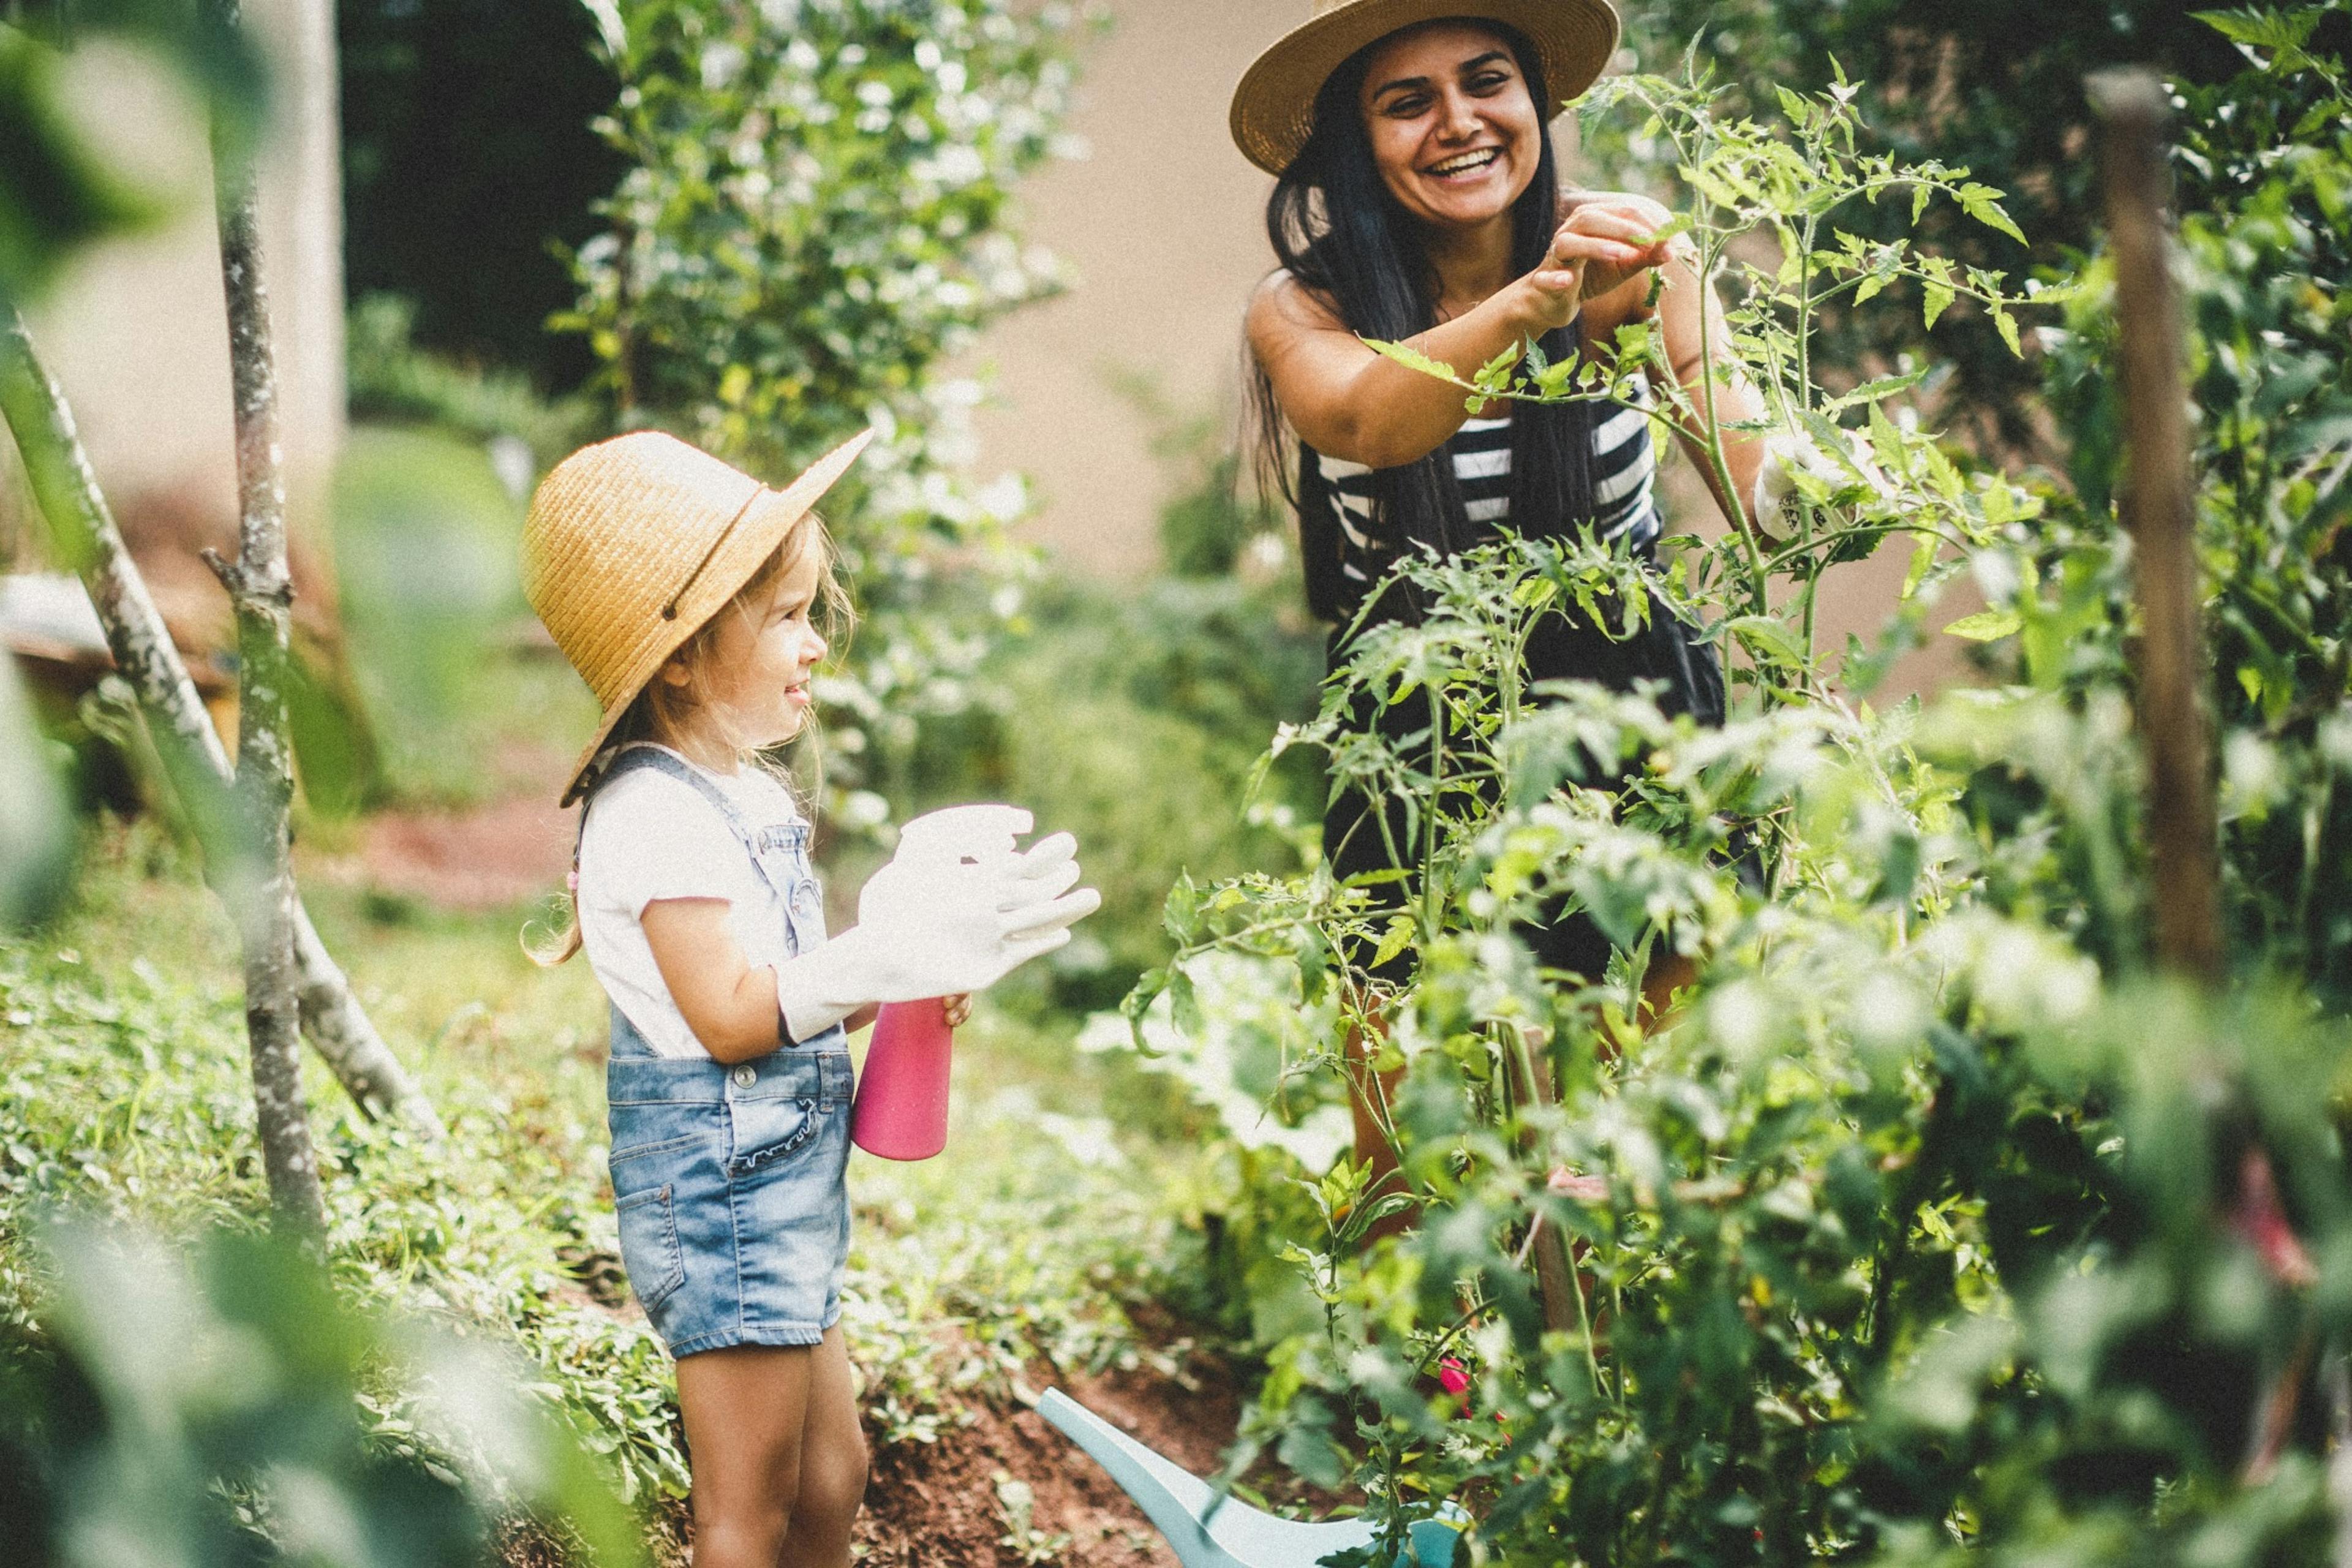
x,y
1418,198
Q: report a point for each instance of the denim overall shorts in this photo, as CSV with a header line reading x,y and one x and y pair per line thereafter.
x,y
728,1180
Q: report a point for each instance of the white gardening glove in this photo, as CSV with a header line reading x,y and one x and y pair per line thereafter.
x,y
956,911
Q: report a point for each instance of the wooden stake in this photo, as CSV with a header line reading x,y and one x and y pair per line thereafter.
x,y
2158,506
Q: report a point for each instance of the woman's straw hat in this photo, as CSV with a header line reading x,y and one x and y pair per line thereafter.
x,y
1274,107
633,543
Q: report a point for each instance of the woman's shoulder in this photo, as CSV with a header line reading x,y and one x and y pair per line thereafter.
x,y
1283,301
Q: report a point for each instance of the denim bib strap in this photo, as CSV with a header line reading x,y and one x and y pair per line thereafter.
x,y
778,853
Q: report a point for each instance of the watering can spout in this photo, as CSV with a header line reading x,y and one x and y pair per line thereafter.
x,y
1210,1530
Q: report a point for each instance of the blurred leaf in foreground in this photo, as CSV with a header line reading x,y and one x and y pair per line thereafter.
x,y
220,1406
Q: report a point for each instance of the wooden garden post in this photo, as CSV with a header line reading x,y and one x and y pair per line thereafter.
x,y
2160,508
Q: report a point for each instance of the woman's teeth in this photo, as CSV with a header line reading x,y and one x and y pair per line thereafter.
x,y
1466,162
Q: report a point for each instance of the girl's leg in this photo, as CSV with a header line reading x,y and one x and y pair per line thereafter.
x,y
833,1463
746,1409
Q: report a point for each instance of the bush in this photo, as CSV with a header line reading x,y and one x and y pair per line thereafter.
x,y
816,217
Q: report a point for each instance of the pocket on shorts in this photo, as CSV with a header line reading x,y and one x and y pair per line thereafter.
x,y
649,1249
765,1130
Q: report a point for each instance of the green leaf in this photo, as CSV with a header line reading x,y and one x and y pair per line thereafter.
x,y
2264,29
1923,561
1393,940
1872,390
1885,441
1982,202
1770,640
1533,594
1491,373
2008,326
1986,626
1184,1003
1413,358
1939,299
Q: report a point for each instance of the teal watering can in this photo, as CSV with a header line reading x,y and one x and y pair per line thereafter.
x,y
1211,1532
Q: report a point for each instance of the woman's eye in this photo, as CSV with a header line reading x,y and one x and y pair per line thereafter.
x,y
1408,108
1488,81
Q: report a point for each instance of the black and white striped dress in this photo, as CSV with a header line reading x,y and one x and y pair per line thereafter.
x,y
1625,486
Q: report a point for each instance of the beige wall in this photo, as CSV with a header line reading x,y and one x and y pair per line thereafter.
x,y
1163,222
137,331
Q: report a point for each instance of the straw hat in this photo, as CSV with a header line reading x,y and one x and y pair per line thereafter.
x,y
1274,107
633,543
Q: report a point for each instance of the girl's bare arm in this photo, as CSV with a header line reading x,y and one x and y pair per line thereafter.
x,y
730,1005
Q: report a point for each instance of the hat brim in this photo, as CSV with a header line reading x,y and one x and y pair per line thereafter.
x,y
1274,106
767,518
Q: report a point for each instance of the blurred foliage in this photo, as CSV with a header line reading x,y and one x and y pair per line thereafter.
x,y
428,501
390,379
814,219
455,182
64,184
36,835
1931,1227
2266,174
209,1406
122,1097
1134,716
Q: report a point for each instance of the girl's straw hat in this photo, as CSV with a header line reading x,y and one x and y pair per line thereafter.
x,y
633,543
1274,107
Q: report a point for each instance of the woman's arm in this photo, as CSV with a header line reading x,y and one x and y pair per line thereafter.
x,y
1352,404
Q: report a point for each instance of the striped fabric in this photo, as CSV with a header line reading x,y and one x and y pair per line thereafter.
x,y
1624,475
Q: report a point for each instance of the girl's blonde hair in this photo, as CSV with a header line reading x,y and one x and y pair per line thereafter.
x,y
664,712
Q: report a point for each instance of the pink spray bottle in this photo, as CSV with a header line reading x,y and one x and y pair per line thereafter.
x,y
901,1110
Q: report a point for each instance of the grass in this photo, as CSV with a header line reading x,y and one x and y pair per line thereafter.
x,y
123,1089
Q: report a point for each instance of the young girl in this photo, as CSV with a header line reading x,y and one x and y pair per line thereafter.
x,y
683,592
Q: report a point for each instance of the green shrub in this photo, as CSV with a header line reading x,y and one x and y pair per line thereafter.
x,y
815,218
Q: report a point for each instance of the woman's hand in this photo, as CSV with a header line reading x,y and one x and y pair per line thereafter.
x,y
1603,243
958,1009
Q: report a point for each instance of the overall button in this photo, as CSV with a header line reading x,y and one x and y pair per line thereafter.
x,y
745,1076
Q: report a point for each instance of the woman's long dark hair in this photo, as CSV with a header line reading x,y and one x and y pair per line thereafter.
x,y
1338,230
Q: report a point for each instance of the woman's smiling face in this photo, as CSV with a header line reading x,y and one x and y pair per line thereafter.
x,y
1454,129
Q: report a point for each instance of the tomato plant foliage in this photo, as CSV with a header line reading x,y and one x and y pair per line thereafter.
x,y
1933,1225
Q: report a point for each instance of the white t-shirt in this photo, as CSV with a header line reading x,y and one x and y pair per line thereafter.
x,y
650,836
